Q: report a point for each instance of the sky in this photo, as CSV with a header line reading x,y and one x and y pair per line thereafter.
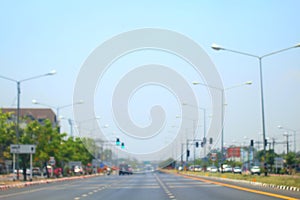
x,y
38,36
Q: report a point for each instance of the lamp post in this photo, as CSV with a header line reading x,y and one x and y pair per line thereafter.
x,y
294,133
57,108
78,125
18,82
194,134
204,122
217,48
222,107
286,134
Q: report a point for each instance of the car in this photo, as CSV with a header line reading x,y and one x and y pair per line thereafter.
x,y
196,168
125,169
237,170
255,170
225,168
78,169
228,168
180,168
36,171
212,169
20,171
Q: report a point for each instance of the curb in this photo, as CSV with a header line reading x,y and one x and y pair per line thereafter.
x,y
279,187
28,183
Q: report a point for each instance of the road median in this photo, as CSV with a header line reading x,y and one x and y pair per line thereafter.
x,y
276,182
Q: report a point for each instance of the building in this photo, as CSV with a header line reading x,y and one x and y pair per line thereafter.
x,y
234,153
39,114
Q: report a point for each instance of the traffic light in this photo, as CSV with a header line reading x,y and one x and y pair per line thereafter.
x,y
210,140
188,153
197,144
118,142
122,145
204,140
202,144
251,143
266,142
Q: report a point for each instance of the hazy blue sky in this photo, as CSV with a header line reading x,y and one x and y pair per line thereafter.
x,y
37,36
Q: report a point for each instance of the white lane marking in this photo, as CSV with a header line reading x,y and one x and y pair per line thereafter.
x,y
188,186
171,196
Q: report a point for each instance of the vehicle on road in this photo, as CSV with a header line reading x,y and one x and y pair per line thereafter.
x,y
228,168
78,169
125,169
196,168
237,170
212,169
255,170
225,168
36,171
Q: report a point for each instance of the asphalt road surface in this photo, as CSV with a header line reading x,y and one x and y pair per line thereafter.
x,y
149,186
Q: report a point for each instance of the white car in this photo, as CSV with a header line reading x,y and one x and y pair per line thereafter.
x,y
212,169
255,170
237,170
78,170
196,168
228,168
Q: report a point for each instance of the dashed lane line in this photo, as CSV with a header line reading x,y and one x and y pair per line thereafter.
x,y
165,188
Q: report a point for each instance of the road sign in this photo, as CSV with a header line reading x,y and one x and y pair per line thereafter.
x,y
278,162
22,148
52,161
213,157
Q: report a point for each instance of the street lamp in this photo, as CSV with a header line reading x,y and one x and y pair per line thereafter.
x,y
217,48
18,82
222,90
71,122
294,133
79,124
187,140
57,108
204,122
286,134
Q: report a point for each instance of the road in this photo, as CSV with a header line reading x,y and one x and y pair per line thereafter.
x,y
150,186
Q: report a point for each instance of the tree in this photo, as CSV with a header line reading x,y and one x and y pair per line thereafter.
x,y
7,135
290,158
48,140
271,155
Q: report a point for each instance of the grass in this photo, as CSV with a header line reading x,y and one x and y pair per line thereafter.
x,y
285,180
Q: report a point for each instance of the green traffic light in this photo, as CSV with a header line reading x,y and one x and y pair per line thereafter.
x,y
118,142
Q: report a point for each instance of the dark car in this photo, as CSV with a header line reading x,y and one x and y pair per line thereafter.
x,y
125,169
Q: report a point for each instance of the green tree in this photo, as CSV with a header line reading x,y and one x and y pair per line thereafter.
x,y
290,158
7,135
271,155
47,139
